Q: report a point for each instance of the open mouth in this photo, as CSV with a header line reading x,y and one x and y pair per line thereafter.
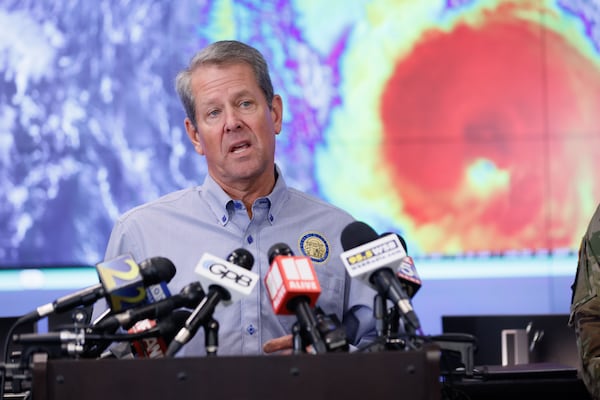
x,y
239,148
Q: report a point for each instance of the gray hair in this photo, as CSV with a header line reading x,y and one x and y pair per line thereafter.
x,y
224,52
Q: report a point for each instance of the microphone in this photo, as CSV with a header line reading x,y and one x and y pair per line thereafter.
x,y
74,342
122,286
188,297
293,288
55,344
370,258
156,346
405,269
227,283
106,322
408,276
122,283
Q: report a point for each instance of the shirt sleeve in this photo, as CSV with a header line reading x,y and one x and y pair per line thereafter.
x,y
358,318
121,241
117,245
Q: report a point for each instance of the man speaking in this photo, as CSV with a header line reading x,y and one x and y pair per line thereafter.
x,y
232,120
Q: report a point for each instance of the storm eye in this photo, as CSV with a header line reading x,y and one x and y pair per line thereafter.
x,y
480,130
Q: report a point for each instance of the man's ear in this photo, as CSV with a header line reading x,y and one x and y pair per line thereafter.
x,y
277,113
194,136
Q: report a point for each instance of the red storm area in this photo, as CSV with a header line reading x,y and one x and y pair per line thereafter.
x,y
497,92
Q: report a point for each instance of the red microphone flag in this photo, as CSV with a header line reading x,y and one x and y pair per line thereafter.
x,y
290,277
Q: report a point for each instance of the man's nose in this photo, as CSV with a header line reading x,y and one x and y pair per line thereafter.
x,y
232,120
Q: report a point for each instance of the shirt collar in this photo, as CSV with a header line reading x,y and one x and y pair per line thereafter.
x,y
221,204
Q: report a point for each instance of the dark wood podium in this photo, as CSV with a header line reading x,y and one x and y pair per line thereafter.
x,y
407,375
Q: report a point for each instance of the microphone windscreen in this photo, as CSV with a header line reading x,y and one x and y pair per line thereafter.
x,y
241,257
157,269
356,234
279,249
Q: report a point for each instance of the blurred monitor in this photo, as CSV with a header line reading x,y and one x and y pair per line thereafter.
x,y
25,288
555,339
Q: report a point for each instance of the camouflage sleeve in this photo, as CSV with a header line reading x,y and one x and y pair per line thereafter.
x,y
585,306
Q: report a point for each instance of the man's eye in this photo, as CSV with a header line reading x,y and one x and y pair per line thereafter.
x,y
213,113
245,104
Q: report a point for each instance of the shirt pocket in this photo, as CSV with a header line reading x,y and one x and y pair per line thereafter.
x,y
332,298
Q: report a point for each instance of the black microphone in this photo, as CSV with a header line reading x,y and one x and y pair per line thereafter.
x,y
370,258
188,297
227,283
73,342
56,344
123,284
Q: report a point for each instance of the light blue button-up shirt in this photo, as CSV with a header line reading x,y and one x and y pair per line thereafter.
x,y
183,225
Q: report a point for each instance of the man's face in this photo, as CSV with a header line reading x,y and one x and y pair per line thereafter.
x,y
235,128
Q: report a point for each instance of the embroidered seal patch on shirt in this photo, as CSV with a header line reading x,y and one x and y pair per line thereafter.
x,y
314,245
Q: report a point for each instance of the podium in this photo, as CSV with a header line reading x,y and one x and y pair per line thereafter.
x,y
408,375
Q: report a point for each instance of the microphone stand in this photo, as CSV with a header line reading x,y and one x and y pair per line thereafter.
x,y
211,337
381,316
403,335
393,331
309,333
297,343
382,325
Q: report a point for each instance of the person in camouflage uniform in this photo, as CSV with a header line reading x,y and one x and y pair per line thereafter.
x,y
585,306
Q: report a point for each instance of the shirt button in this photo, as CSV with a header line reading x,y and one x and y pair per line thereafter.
x,y
251,329
250,239
271,218
224,218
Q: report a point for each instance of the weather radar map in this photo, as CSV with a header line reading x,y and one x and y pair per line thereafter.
x,y
468,127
